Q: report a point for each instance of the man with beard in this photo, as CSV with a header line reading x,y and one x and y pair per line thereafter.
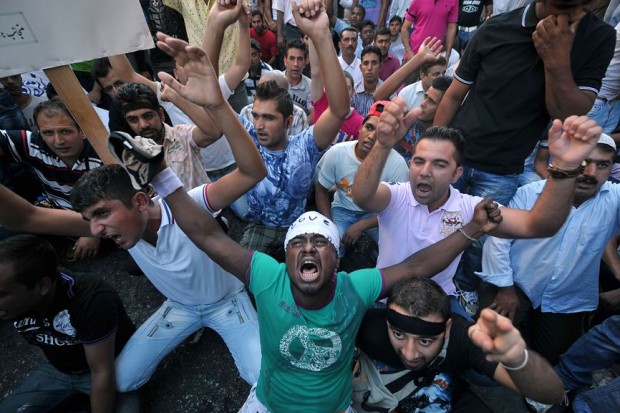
x,y
548,308
417,342
182,143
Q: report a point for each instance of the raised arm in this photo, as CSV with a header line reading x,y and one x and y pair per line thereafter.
x,y
202,228
17,214
428,52
367,191
519,369
123,68
451,102
202,87
553,39
570,143
235,74
312,20
435,258
222,14
316,86
205,131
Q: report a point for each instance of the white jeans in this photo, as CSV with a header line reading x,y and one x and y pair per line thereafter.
x,y
253,405
233,318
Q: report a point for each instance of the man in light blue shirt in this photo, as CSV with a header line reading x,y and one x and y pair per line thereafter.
x,y
546,284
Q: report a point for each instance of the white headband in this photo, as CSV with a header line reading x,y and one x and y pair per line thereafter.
x,y
313,223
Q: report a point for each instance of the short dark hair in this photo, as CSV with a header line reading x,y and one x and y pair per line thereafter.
x,y
371,48
421,297
52,107
31,257
257,12
396,18
133,93
270,90
101,68
362,8
443,133
441,61
369,23
105,182
255,45
349,76
350,29
442,83
296,44
383,31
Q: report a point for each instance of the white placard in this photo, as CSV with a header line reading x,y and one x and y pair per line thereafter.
x,y
39,34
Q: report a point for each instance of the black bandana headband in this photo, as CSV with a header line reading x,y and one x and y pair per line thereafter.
x,y
414,325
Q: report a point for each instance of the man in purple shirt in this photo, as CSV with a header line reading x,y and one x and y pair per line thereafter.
x,y
389,62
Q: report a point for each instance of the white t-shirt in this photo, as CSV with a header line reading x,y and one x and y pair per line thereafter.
x,y
177,267
413,94
340,164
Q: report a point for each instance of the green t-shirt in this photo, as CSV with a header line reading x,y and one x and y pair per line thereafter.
x,y
307,354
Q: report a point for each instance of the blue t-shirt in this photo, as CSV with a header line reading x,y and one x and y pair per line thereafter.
x,y
280,198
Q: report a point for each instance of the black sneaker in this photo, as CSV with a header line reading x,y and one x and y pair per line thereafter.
x,y
139,156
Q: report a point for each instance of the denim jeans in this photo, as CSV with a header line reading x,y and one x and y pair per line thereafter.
x,y
478,183
344,218
233,318
48,386
599,348
606,114
11,116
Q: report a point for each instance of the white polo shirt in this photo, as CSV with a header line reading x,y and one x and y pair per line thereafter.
x,y
406,226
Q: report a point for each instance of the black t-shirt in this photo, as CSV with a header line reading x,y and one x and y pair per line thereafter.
x,y
85,311
470,12
461,354
504,114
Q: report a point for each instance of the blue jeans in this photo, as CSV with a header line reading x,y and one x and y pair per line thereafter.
x,y
344,218
606,114
11,116
464,38
478,183
599,348
233,318
48,386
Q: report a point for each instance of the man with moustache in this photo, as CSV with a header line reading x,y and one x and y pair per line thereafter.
x,y
348,59
548,308
182,143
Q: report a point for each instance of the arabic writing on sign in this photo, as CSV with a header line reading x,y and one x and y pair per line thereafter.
x,y
14,29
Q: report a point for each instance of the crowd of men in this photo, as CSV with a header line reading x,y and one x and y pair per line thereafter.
x,y
475,149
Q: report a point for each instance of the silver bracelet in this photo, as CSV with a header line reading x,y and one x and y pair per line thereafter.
x,y
466,235
521,366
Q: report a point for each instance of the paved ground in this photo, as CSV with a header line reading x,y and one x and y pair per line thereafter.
x,y
198,377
